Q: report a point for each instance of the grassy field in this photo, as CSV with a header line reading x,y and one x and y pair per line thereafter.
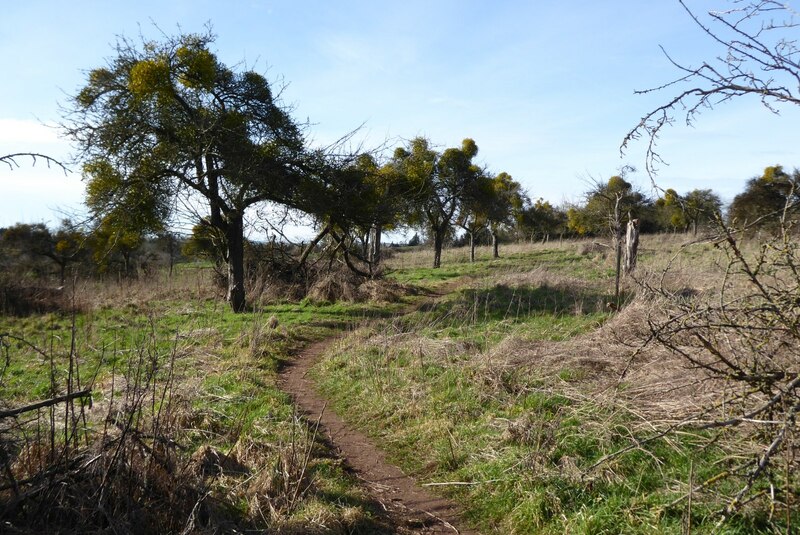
x,y
509,393
509,384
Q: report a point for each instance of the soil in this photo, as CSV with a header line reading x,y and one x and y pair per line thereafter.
x,y
410,508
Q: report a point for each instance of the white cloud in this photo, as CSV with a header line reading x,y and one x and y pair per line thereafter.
x,y
21,131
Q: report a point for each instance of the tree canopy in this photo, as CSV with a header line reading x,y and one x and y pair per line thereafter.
x,y
504,204
438,183
766,197
689,211
603,201
167,121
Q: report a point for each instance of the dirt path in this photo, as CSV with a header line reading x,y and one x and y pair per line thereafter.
x,y
410,507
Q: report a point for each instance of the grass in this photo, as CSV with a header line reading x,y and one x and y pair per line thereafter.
x,y
413,267
496,394
221,371
465,395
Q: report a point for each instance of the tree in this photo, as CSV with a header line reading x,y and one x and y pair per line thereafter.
x,y
475,205
505,203
669,211
765,198
205,242
348,206
701,206
689,211
606,204
126,211
745,337
169,117
63,247
343,204
375,201
759,57
541,218
438,183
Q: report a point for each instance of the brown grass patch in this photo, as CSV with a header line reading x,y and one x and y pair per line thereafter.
x,y
344,285
610,365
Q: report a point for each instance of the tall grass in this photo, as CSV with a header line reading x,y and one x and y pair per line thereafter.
x,y
184,430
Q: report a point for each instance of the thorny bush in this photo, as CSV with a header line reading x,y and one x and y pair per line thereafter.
x,y
744,339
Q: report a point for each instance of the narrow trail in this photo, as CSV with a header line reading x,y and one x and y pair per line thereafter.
x,y
409,507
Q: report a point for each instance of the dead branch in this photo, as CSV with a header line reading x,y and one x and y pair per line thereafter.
x,y
759,58
45,403
11,160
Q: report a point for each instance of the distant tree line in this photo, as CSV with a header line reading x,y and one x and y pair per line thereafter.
x,y
762,204
441,195
35,251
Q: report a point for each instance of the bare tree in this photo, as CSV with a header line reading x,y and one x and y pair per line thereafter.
x,y
759,56
745,338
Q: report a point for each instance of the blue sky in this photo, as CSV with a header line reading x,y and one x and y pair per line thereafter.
x,y
545,88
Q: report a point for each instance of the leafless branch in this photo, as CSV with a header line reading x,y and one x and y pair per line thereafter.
x,y
11,160
758,60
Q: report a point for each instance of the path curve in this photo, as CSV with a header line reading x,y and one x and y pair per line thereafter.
x,y
410,507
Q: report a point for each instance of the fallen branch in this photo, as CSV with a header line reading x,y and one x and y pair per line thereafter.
x,y
45,403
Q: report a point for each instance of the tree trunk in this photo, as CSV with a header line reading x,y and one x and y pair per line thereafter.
x,y
495,245
126,259
171,248
617,249
438,242
235,238
307,251
346,254
618,263
471,246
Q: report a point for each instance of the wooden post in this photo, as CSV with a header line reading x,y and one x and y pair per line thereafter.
x,y
631,245
617,227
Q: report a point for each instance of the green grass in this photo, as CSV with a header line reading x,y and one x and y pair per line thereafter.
x,y
511,444
440,422
225,366
565,261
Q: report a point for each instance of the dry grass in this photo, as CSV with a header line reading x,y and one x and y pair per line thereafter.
x,y
422,256
614,363
609,366
128,464
190,283
25,298
186,432
345,286
560,403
